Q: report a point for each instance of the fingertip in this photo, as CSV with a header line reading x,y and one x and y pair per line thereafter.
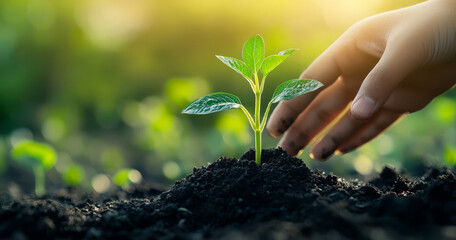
x,y
273,127
318,157
282,118
338,152
363,108
346,148
289,146
273,133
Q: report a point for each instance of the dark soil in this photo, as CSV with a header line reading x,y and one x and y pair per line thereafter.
x,y
236,199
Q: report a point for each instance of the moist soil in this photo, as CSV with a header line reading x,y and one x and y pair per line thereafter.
x,y
237,199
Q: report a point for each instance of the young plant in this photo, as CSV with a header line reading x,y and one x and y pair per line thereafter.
x,y
254,62
73,175
126,176
38,157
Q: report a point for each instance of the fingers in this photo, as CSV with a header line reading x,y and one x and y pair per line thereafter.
x,y
326,106
349,133
342,58
339,133
323,69
370,130
399,60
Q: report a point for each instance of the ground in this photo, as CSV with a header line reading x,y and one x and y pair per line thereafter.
x,y
237,199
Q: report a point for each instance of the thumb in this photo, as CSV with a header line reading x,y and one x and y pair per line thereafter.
x,y
396,63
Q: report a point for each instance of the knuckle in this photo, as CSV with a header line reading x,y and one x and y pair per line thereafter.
x,y
360,28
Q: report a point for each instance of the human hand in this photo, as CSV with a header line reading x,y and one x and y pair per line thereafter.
x,y
387,65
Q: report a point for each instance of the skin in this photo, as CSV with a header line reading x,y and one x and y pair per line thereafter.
x,y
379,70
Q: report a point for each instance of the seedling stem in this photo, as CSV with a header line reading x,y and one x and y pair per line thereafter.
x,y
39,180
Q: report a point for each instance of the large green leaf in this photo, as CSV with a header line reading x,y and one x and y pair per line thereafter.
x,y
253,53
34,154
273,61
237,65
294,88
214,102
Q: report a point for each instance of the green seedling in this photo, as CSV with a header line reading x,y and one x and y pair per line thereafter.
x,y
37,157
73,175
254,62
124,177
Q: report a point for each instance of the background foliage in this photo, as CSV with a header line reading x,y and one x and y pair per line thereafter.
x,y
103,82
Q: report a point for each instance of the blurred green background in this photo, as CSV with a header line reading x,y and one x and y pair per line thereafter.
x,y
103,82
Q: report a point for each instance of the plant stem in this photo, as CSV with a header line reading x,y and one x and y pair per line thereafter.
x,y
246,112
262,84
258,129
257,83
265,116
39,181
252,85
258,146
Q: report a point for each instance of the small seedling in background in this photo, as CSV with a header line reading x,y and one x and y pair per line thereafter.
x,y
254,61
449,155
124,177
38,157
73,175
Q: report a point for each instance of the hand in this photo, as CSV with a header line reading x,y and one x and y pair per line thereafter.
x,y
387,65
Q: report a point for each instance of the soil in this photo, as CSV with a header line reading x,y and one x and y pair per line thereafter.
x,y
236,199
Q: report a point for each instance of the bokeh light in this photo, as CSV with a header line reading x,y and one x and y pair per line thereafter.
x,y
101,183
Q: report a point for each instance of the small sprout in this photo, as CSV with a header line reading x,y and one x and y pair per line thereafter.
x,y
124,177
449,154
37,157
73,175
254,62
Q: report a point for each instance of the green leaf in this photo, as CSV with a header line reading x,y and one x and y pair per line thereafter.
x,y
273,61
73,175
294,88
34,154
288,52
450,155
237,65
121,178
214,102
253,53
126,176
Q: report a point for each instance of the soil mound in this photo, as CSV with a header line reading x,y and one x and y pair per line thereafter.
x,y
237,199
